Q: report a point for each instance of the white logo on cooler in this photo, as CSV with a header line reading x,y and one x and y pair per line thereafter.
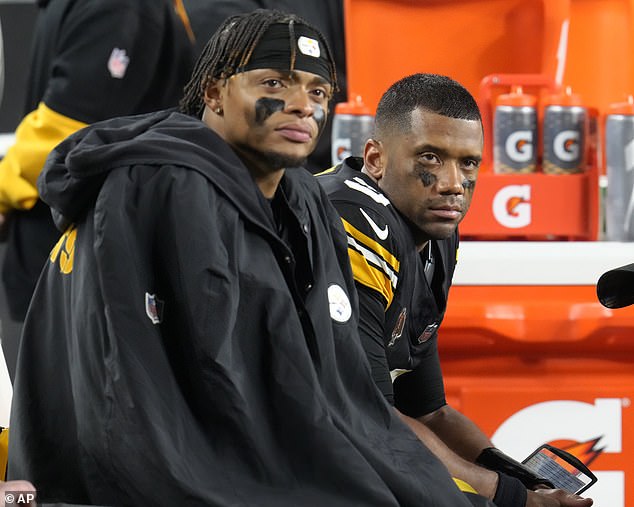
x,y
556,420
519,146
562,419
511,206
566,145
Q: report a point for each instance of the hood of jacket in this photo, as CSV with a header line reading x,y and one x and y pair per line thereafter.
x,y
76,169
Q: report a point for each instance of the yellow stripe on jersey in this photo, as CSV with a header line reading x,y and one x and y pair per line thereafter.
x,y
372,264
38,133
373,245
371,277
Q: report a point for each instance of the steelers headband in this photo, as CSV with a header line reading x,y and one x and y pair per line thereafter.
x,y
273,51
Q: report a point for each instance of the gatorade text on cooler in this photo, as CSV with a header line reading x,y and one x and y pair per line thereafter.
x,y
565,126
352,126
515,133
619,158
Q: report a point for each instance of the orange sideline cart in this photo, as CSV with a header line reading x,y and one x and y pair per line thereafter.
x,y
532,357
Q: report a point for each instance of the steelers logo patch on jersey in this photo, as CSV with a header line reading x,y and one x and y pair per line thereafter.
x,y
340,307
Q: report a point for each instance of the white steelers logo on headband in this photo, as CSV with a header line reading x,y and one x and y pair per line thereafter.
x,y
308,46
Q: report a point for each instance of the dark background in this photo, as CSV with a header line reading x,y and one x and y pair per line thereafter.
x,y
17,19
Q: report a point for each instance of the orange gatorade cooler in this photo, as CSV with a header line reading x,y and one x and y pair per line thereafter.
x,y
564,128
515,133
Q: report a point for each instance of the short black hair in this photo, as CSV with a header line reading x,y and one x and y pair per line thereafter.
x,y
433,92
230,48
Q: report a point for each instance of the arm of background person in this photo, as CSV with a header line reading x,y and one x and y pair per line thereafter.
x,y
38,133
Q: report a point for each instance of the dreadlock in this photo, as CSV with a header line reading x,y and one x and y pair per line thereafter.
x,y
230,48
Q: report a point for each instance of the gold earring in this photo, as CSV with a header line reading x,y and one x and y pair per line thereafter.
x,y
218,110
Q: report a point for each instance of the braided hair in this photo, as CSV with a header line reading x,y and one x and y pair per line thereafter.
x,y
230,48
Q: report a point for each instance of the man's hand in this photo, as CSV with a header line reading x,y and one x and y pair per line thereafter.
x,y
14,487
556,498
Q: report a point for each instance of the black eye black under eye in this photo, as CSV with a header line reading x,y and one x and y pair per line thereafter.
x,y
427,178
266,106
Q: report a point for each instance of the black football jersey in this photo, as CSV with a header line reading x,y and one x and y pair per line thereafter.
x,y
403,307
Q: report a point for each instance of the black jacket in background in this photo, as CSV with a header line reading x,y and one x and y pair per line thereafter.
x,y
73,42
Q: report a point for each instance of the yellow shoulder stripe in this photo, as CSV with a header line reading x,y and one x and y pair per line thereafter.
x,y
373,245
372,264
327,171
371,277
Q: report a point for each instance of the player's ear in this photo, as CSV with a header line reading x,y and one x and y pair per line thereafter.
x,y
374,159
212,94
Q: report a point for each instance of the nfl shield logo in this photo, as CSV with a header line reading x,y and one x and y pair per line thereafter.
x,y
153,308
118,63
428,333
